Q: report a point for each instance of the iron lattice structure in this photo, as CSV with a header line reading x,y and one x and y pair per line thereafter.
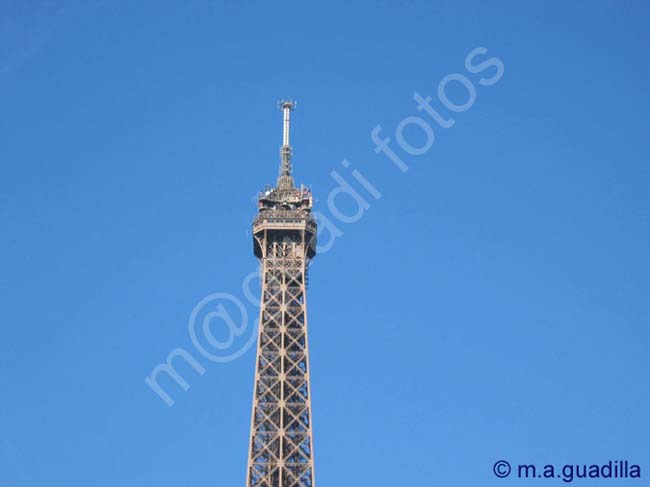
x,y
284,240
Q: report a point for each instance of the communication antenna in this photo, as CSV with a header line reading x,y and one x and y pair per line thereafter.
x,y
285,181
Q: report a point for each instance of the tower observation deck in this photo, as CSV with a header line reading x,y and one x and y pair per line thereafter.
x,y
284,240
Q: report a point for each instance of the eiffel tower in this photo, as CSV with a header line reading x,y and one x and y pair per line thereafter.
x,y
284,240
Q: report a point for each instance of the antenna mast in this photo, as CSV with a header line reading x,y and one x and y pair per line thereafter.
x,y
285,181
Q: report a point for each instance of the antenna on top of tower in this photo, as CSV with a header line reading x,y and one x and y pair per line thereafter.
x,y
285,181
287,106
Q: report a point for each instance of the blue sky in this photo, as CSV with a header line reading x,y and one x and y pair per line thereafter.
x,y
492,303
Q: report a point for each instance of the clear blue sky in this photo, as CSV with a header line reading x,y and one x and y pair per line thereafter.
x,y
493,303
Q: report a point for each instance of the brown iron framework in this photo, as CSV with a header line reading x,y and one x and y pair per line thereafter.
x,y
284,239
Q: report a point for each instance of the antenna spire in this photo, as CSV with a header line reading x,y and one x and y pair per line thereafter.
x,y
285,181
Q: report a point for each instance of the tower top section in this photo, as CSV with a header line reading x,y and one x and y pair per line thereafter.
x,y
285,194
285,210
